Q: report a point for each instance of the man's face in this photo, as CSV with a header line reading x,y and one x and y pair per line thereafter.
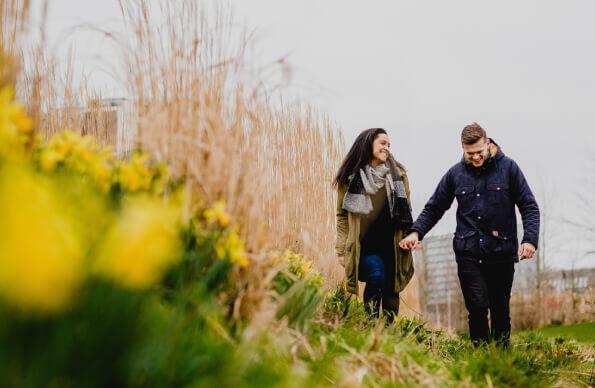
x,y
476,153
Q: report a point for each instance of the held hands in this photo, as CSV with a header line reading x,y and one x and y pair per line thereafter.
x,y
410,242
526,251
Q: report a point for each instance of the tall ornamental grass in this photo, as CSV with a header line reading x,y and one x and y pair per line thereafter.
x,y
202,106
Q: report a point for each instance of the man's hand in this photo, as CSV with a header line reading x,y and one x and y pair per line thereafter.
x,y
341,261
526,251
410,242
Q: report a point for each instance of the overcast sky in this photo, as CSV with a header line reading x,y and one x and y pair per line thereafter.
x,y
524,70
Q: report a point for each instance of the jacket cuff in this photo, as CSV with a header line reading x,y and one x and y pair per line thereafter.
x,y
420,233
531,241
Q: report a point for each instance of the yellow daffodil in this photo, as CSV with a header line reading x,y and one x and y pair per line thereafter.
x,y
217,214
302,268
15,126
141,244
41,255
134,175
231,248
49,159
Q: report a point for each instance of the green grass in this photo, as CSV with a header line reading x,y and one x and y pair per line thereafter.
x,y
581,332
407,353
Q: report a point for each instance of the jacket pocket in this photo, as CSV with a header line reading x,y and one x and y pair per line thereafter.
x,y
464,243
465,196
464,191
500,245
350,259
405,269
498,193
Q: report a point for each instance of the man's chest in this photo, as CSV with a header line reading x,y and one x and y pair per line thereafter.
x,y
489,188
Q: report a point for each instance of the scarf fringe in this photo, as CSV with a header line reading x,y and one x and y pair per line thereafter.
x,y
357,203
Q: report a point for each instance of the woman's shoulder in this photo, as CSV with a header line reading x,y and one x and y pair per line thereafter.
x,y
401,167
346,183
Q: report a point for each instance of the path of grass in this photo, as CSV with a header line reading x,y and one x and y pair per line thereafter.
x,y
582,332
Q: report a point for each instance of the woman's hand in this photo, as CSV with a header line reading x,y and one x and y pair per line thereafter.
x,y
410,242
341,261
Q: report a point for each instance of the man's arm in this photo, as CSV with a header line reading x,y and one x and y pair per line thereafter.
x,y
435,208
524,199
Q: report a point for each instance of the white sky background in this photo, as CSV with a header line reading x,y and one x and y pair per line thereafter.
x,y
524,70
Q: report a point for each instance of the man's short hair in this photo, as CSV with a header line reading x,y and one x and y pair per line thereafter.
x,y
472,133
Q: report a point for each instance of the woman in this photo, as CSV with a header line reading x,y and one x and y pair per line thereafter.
x,y
373,215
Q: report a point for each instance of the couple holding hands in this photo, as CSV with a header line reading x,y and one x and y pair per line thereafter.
x,y
376,232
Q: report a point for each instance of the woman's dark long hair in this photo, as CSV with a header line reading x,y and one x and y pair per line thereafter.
x,y
358,156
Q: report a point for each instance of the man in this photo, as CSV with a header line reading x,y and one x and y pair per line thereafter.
x,y
487,185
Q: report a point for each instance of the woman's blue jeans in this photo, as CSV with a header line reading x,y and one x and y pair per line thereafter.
x,y
379,274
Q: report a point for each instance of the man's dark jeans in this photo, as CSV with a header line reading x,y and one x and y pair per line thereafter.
x,y
487,286
379,275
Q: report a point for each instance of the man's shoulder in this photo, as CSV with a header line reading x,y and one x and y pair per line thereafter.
x,y
452,174
508,162
455,168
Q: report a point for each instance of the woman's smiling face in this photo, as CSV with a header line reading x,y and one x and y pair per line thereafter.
x,y
380,148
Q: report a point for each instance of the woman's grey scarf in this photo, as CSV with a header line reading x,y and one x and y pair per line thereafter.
x,y
368,180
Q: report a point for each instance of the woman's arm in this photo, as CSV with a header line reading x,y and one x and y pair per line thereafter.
x,y
342,222
406,184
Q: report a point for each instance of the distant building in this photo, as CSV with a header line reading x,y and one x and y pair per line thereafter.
x,y
575,280
109,120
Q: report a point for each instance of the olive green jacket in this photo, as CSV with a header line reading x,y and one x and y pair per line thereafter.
x,y
347,243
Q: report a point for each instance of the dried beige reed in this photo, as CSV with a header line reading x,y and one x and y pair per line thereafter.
x,y
198,105
48,92
273,166
13,22
529,310
14,17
